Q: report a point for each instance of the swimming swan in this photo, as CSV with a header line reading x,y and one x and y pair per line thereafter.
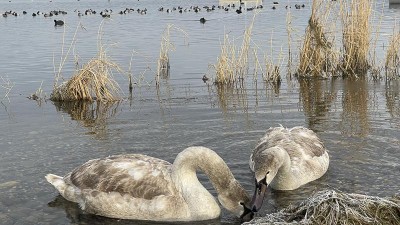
x,y
285,159
141,187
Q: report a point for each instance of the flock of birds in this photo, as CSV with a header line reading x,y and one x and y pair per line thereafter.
x,y
140,187
106,13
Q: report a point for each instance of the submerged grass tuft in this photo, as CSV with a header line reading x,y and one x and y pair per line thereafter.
x,y
333,207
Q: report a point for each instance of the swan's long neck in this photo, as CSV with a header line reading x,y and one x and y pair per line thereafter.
x,y
284,174
203,159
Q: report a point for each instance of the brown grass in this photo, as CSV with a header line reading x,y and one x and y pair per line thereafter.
x,y
392,60
232,64
94,81
355,16
289,30
163,66
226,62
272,69
317,55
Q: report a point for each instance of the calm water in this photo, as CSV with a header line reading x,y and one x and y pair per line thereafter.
x,y
358,121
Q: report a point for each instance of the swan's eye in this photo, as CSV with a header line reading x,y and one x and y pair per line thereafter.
x,y
267,172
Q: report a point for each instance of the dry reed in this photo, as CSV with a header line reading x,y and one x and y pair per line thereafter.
x,y
257,64
232,64
226,62
289,30
272,70
333,207
317,55
392,60
94,81
166,46
355,16
242,60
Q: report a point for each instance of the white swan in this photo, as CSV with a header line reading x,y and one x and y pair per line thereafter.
x,y
285,159
140,187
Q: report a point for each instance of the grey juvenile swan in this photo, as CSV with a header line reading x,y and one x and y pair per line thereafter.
x,y
285,159
141,187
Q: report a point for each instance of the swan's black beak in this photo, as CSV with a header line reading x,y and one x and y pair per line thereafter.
x,y
247,215
259,194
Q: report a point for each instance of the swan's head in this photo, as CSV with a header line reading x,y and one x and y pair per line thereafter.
x,y
266,166
236,200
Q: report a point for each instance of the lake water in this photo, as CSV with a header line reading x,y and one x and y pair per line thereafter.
x,y
358,120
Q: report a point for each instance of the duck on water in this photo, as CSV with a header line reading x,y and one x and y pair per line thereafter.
x,y
141,187
58,22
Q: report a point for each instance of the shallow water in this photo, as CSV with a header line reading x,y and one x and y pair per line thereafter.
x,y
358,121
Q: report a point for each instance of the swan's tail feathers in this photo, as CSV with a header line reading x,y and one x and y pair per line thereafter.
x,y
56,181
68,191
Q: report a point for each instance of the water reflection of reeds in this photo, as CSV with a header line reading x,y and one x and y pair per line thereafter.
x,y
317,96
232,97
243,99
91,115
354,119
392,96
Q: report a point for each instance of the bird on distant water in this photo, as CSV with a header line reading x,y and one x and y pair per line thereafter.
x,y
202,20
58,22
285,159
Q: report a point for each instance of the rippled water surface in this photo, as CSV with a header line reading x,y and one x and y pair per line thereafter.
x,y
358,121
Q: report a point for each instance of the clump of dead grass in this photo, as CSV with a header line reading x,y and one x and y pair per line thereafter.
x,y
163,66
392,60
226,62
334,207
94,81
317,55
355,16
232,64
272,68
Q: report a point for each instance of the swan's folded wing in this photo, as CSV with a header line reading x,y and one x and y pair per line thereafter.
x,y
139,176
308,141
299,142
